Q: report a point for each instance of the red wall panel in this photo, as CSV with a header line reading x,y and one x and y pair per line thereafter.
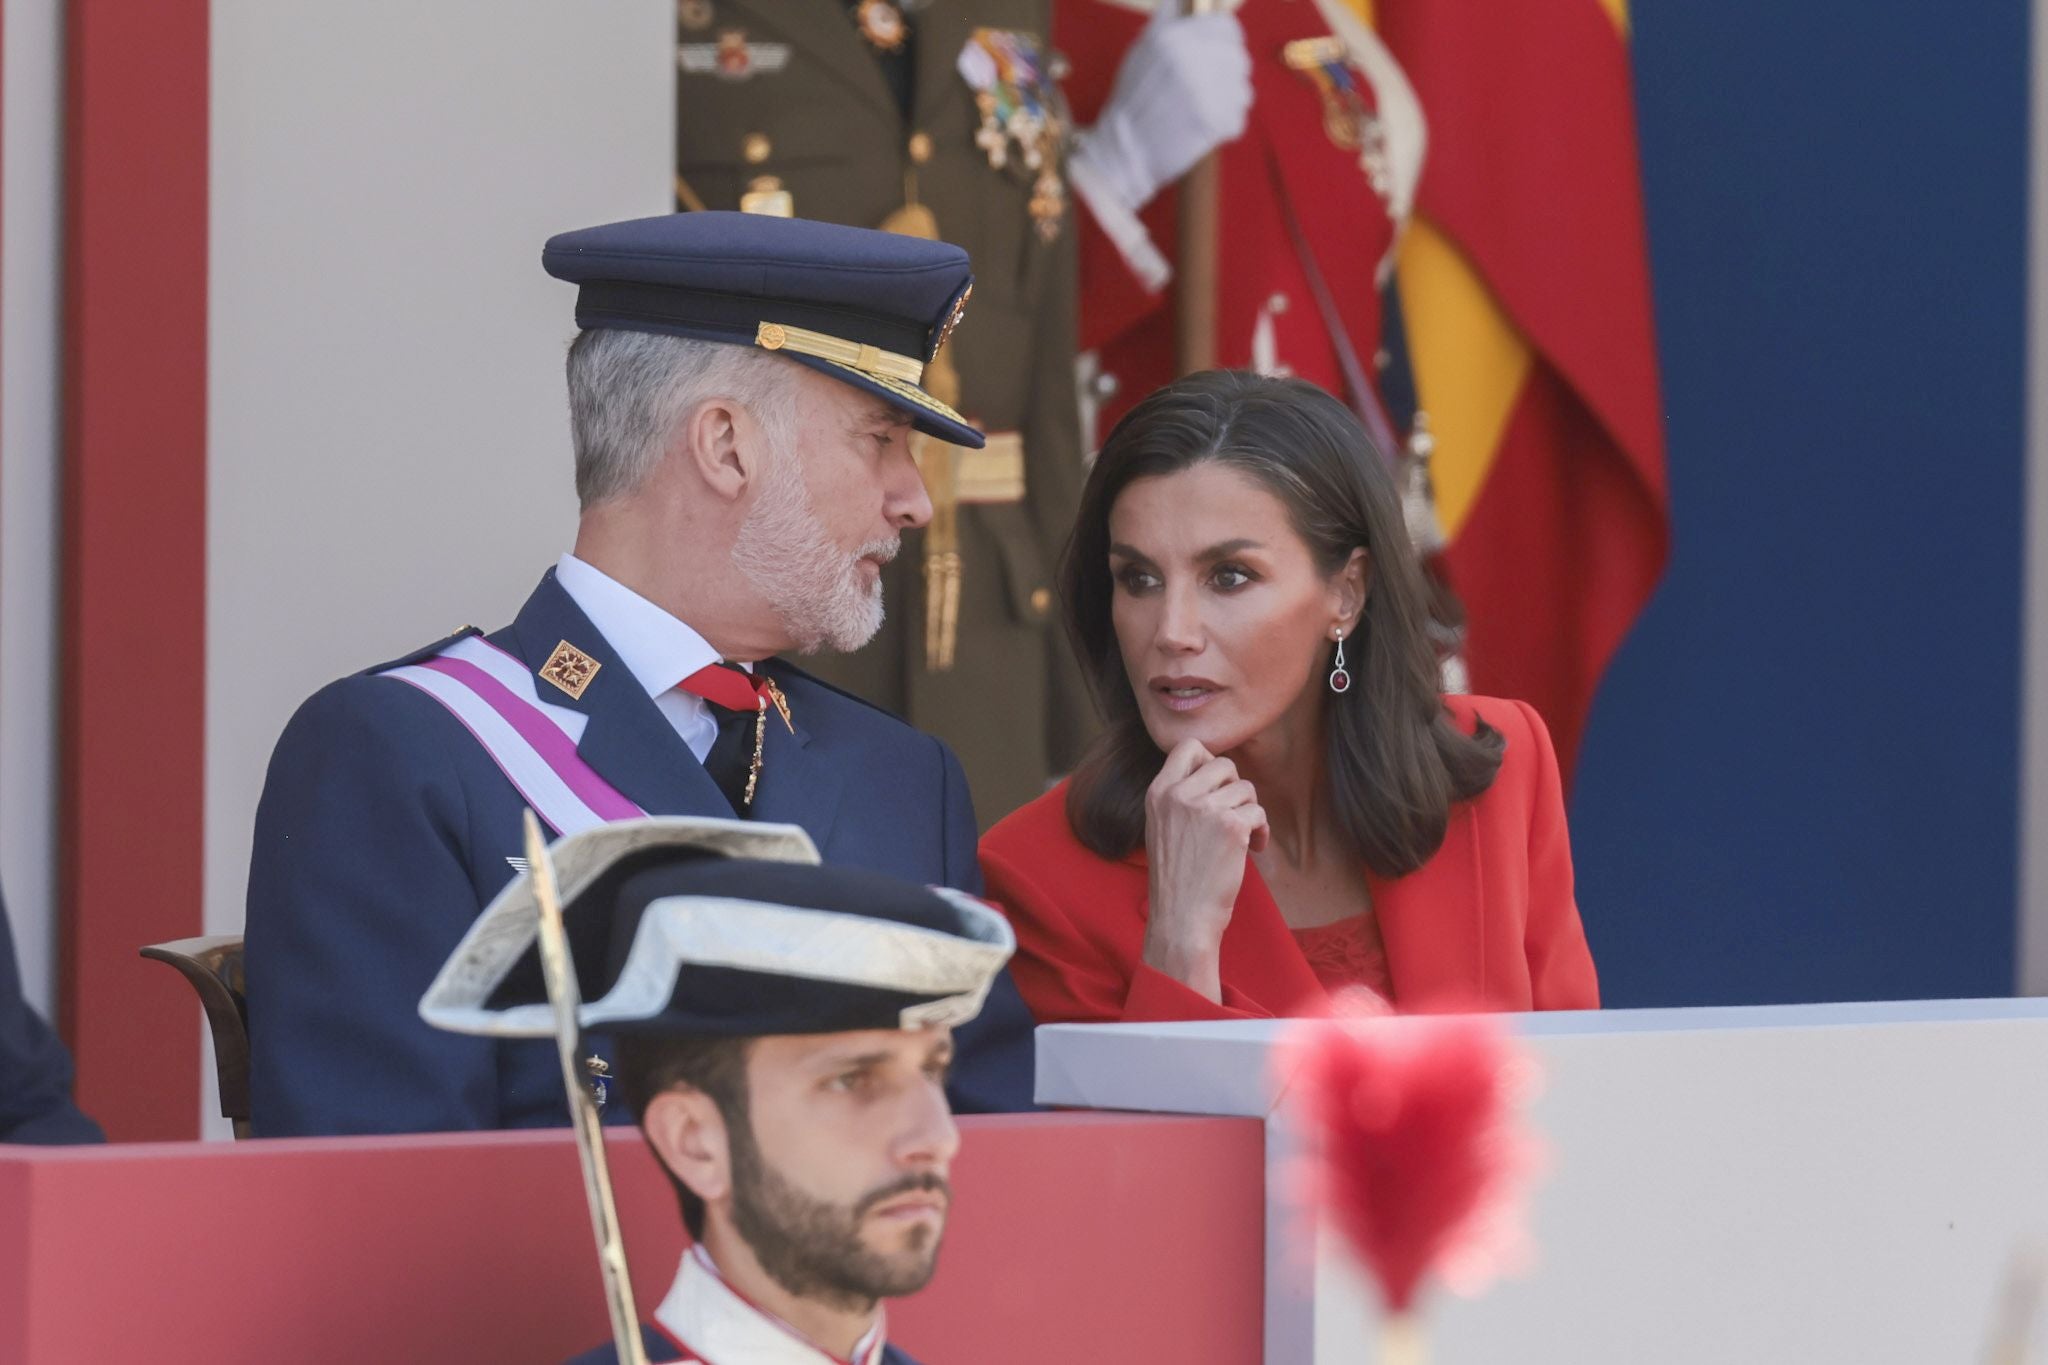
x,y
1076,1238
132,757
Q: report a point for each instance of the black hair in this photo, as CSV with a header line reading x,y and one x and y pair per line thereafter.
x,y
650,1064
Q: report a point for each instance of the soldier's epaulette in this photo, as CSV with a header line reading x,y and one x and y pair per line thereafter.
x,y
784,666
426,652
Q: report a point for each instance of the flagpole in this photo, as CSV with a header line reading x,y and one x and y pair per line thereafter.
x,y
566,998
1197,263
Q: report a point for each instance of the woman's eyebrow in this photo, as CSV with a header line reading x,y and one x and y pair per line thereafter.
x,y
1223,549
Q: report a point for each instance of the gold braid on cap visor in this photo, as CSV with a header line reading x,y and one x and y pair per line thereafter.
x,y
869,360
899,374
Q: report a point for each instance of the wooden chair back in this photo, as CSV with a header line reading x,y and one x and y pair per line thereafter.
x,y
214,967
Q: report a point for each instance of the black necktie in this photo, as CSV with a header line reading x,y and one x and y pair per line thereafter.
x,y
731,757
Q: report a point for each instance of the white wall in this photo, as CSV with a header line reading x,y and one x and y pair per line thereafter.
x,y
30,219
387,446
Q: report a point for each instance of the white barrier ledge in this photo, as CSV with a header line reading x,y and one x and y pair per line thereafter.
x,y
1812,1183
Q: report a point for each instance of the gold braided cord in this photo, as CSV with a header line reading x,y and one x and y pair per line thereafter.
x,y
909,393
869,360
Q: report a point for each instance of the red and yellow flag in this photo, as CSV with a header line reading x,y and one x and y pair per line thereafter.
x,y
1525,282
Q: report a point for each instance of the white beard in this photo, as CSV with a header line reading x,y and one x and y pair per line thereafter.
x,y
817,590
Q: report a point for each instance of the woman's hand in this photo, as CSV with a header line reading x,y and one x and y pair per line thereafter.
x,y
1201,819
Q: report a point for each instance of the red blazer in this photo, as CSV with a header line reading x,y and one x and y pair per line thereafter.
x,y
1488,922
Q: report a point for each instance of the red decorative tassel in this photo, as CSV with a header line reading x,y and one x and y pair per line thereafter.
x,y
1417,1157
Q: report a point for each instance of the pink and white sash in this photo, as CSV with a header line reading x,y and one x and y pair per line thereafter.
x,y
532,741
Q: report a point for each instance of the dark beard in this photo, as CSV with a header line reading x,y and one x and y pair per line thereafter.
x,y
812,1248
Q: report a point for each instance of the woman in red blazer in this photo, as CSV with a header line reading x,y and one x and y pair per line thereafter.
x,y
1282,803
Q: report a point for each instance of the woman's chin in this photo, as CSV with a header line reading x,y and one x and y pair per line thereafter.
x,y
1214,732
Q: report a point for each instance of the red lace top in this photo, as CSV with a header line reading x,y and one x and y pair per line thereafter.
x,y
1348,952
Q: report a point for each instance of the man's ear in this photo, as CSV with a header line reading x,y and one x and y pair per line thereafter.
x,y
720,440
688,1134
1353,585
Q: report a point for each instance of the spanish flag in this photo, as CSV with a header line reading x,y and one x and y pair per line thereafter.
x,y
1525,282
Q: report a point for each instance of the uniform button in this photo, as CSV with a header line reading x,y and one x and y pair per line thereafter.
x,y
1041,600
920,147
756,148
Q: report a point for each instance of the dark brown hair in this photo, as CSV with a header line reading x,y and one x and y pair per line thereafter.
x,y
1395,762
650,1064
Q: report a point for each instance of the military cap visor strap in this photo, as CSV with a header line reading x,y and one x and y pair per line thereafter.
x,y
869,360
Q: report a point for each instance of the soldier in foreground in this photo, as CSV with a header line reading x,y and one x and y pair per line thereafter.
x,y
783,1035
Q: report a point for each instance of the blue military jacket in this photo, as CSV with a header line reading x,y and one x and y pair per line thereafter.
x,y
35,1070
385,827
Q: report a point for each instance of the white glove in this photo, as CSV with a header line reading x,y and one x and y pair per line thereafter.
x,y
1183,89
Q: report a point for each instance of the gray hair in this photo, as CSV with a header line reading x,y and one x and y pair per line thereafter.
x,y
629,390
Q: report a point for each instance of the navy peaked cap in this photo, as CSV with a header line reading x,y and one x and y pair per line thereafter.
x,y
867,307
712,928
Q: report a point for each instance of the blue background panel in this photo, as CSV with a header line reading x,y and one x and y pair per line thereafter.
x,y
1800,779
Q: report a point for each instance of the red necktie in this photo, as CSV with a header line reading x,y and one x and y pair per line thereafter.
x,y
730,686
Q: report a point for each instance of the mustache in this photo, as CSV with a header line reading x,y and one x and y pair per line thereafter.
x,y
919,1183
881,551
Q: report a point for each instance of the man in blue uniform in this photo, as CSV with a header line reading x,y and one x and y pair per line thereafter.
x,y
783,1032
35,1070
741,398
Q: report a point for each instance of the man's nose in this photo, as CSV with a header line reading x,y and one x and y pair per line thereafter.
x,y
905,502
930,1139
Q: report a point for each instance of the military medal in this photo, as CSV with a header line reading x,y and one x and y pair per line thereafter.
x,y
735,60
881,23
1020,111
732,57
1349,124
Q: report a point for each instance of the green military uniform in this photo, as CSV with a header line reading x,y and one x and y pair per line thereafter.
x,y
791,97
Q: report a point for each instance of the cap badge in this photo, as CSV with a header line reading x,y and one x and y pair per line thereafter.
x,y
570,669
694,14
953,318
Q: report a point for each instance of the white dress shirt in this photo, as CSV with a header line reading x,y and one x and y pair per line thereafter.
x,y
656,648
708,1318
